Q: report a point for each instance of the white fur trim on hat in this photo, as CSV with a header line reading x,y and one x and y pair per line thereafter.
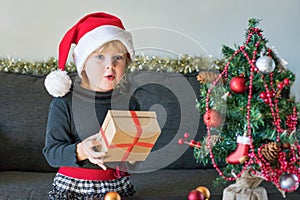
x,y
96,38
58,83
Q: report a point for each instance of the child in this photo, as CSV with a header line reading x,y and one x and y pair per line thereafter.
x,y
102,52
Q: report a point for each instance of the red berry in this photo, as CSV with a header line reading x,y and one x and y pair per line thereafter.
x,y
280,86
263,95
180,141
273,94
186,135
198,144
192,143
286,81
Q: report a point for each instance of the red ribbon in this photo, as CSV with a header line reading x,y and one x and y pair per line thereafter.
x,y
135,142
104,137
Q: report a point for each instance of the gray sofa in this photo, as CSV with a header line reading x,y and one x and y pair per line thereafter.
x,y
169,174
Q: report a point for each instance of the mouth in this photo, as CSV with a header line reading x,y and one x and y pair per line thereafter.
x,y
110,77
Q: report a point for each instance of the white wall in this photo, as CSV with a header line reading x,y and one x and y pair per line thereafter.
x,y
32,29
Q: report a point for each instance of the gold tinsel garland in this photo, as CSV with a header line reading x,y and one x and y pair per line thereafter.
x,y
184,64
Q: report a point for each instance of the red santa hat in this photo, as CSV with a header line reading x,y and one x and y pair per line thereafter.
x,y
89,33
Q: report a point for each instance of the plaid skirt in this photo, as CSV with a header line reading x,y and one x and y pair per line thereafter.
x,y
68,188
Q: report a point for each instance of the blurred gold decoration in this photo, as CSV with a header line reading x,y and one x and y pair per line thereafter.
x,y
183,64
204,190
38,68
270,151
207,77
112,196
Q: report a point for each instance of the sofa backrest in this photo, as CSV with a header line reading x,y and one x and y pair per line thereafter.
x,y
23,117
24,107
173,97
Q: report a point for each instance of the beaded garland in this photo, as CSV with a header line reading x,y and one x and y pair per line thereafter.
x,y
286,161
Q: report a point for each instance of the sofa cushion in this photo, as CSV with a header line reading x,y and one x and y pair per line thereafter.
x,y
173,97
25,185
24,107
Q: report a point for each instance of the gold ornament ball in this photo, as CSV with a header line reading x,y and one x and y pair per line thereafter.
x,y
204,191
112,196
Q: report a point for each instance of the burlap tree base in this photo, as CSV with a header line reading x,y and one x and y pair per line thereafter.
x,y
245,188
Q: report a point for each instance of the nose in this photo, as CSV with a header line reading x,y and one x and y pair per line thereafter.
x,y
110,64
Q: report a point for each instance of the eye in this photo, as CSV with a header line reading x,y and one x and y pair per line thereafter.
x,y
100,57
118,57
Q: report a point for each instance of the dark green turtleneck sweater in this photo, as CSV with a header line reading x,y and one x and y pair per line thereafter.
x,y
76,116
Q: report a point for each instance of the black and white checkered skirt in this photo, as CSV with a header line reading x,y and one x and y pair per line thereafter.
x,y
68,188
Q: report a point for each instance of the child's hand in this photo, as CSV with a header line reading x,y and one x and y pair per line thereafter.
x,y
87,149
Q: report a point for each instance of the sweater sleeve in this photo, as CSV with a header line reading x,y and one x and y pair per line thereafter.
x,y
60,142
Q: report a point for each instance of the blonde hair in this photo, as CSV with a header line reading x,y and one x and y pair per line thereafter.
x,y
119,46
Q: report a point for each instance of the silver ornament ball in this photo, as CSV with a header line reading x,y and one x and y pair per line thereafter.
x,y
265,64
289,181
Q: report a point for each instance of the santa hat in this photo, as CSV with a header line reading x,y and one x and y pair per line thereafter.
x,y
89,33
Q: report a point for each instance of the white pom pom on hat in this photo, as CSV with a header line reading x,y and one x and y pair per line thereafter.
x,y
89,33
58,83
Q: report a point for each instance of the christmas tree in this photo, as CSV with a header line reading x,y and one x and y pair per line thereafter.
x,y
250,117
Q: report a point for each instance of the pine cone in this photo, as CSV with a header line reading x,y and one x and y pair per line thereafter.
x,y
270,151
207,77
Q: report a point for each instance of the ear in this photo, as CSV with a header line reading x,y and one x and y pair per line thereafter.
x,y
128,59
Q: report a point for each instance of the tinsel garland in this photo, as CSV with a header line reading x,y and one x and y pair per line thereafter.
x,y
183,64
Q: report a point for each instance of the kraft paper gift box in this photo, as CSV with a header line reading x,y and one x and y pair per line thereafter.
x,y
129,135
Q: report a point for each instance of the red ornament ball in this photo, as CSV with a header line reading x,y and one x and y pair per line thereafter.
x,y
216,118
195,195
238,84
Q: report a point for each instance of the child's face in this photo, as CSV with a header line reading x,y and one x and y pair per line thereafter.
x,y
104,70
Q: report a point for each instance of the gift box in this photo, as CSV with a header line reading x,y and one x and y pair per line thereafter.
x,y
128,135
